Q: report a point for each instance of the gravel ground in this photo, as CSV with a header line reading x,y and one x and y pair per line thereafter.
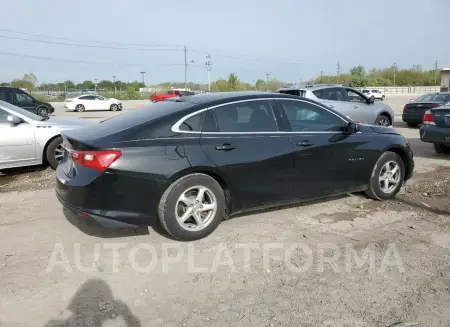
x,y
346,261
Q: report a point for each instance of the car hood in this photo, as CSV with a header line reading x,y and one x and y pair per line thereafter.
x,y
67,122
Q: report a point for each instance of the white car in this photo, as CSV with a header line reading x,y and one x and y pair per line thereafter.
x,y
376,94
92,102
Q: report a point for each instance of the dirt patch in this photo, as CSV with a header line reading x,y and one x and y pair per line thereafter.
x,y
26,179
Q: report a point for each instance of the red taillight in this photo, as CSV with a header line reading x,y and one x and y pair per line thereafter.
x,y
428,118
405,107
97,160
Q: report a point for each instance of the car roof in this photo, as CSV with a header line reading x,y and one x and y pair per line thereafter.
x,y
219,97
312,87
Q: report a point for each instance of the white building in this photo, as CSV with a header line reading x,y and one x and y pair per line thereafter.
x,y
445,79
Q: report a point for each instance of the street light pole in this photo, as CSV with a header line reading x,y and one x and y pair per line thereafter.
x,y
208,65
143,79
267,80
95,85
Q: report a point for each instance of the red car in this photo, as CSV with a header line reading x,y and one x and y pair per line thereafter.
x,y
169,94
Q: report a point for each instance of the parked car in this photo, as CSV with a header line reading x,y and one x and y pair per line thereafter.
x,y
27,139
347,101
21,99
169,94
372,93
413,112
92,102
436,128
194,160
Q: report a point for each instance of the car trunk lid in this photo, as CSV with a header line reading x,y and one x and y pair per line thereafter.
x,y
441,116
420,107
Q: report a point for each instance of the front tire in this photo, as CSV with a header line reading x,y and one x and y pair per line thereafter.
x,y
382,98
80,108
42,111
387,177
114,107
441,148
54,152
383,120
192,207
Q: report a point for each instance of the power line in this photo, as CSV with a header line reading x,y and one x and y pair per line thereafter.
x,y
85,45
89,41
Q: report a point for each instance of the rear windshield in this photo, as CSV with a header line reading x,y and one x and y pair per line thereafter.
x,y
140,116
433,97
293,92
365,91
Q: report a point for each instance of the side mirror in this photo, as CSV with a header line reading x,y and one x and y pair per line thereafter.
x,y
371,100
352,128
14,120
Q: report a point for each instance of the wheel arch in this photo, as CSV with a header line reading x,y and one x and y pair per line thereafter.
x,y
44,151
218,177
404,156
388,115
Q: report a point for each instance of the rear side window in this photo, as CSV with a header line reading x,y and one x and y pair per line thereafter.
x,y
248,116
307,117
300,93
6,95
194,123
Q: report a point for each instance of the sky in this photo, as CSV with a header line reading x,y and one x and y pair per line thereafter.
x,y
292,40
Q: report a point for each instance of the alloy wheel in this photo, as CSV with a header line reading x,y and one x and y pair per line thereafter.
x,y
58,153
384,121
196,208
389,177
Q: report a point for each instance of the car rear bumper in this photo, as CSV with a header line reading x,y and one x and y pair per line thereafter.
x,y
111,200
413,117
434,134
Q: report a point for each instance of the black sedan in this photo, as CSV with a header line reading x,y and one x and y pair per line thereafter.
x,y
190,162
436,128
413,112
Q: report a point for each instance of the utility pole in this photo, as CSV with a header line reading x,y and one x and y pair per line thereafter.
x,y
185,67
208,65
143,79
114,81
395,71
338,72
267,81
436,67
321,76
95,85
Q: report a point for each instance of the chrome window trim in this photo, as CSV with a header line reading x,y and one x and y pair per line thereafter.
x,y
176,127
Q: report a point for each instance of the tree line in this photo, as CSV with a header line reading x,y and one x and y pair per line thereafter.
x,y
357,76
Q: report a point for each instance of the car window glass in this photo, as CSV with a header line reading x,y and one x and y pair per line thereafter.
x,y
194,123
248,116
355,97
305,117
333,94
23,99
6,95
3,116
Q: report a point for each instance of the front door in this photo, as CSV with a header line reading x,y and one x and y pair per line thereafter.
x,y
25,101
358,108
17,142
251,152
325,156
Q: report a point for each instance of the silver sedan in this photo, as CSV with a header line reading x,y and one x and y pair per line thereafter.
x,y
27,139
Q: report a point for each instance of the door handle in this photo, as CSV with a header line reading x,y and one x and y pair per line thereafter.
x,y
332,107
304,143
355,107
225,147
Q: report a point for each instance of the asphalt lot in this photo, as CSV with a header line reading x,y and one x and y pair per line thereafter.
x,y
269,268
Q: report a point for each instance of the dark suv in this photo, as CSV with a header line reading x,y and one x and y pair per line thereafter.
x,y
23,100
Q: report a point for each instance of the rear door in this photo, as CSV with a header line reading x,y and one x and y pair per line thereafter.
x,y
248,148
324,154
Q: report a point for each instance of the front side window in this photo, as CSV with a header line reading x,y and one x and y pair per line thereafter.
x,y
194,123
23,99
307,117
332,94
355,97
249,116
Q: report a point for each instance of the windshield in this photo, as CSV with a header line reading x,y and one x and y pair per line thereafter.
x,y
434,97
21,111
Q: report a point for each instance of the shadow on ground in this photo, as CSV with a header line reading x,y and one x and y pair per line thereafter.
x,y
93,305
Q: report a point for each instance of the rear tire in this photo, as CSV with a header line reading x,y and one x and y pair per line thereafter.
x,y
441,148
383,120
80,108
181,197
380,177
42,111
412,125
54,152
